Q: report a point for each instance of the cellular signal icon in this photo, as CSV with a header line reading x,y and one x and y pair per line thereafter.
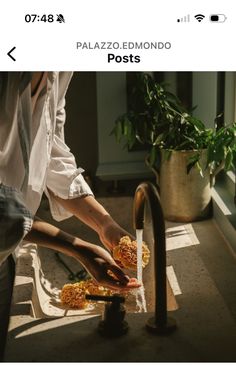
x,y
199,17
60,18
185,19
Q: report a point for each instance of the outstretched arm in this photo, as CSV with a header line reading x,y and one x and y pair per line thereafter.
x,y
93,214
95,259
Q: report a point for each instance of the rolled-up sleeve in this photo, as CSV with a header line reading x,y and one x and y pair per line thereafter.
x,y
64,179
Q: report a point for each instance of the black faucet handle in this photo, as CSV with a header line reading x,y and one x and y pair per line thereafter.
x,y
112,323
116,298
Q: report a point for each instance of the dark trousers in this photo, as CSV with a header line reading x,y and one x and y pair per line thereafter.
x,y
7,274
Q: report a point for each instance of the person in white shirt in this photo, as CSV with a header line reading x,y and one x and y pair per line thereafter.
x,y
35,159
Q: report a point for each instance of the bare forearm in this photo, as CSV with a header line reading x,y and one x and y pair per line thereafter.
x,y
88,210
93,214
96,260
49,236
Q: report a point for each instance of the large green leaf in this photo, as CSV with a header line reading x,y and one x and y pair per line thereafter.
x,y
159,120
229,159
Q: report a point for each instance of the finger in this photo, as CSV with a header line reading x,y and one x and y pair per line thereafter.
x,y
119,263
119,274
133,283
113,284
132,279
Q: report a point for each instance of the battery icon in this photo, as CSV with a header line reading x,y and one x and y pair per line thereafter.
x,y
218,18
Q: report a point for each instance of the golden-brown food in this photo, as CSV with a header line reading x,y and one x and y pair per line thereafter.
x,y
73,294
126,253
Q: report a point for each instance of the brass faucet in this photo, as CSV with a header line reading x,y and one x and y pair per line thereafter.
x,y
146,192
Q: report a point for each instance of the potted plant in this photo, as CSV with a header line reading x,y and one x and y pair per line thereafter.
x,y
184,155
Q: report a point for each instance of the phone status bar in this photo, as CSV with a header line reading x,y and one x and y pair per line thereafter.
x,y
200,18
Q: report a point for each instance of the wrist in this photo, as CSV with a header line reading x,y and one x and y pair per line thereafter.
x,y
79,246
105,223
110,233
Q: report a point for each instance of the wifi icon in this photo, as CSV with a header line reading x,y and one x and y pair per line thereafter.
x,y
199,17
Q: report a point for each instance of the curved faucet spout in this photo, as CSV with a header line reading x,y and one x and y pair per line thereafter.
x,y
146,192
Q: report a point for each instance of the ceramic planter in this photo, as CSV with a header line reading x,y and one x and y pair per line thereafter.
x,y
184,197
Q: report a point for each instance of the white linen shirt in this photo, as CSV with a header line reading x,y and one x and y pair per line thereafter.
x,y
33,155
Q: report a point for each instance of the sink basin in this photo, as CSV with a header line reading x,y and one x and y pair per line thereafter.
x,y
39,279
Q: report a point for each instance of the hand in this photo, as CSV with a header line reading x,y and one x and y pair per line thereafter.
x,y
95,259
111,233
98,262
93,214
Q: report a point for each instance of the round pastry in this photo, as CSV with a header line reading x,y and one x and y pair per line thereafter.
x,y
126,253
73,294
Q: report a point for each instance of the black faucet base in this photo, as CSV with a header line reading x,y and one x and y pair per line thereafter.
x,y
161,329
106,330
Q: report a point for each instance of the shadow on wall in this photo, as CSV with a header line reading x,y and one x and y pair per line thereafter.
x,y
81,120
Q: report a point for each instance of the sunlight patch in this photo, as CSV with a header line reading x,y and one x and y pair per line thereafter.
x,y
180,236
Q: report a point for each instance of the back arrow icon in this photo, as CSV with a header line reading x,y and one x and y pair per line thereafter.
x,y
9,53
